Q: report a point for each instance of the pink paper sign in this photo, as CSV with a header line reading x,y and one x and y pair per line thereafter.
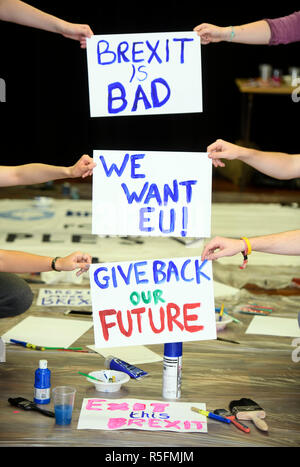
x,y
140,414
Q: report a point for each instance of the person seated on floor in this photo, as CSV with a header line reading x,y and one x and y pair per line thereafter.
x,y
278,165
284,243
15,295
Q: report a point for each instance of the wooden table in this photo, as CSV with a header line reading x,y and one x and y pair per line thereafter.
x,y
248,88
214,372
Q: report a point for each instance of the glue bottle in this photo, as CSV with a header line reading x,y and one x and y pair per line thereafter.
x,y
42,383
172,366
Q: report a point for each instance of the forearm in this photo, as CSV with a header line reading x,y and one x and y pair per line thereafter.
x,y
257,32
29,174
21,13
274,164
20,262
285,243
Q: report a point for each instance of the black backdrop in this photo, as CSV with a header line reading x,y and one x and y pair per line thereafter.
x,y
46,114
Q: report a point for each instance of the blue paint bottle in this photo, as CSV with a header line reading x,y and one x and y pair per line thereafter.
x,y
42,383
172,367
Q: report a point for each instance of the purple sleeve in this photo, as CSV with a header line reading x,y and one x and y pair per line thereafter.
x,y
285,30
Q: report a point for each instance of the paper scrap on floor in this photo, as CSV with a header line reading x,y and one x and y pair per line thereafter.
x,y
135,354
270,326
223,290
48,332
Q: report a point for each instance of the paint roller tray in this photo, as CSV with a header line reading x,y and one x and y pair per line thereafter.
x,y
104,375
222,324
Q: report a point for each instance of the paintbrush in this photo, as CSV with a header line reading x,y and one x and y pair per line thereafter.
x,y
247,409
227,414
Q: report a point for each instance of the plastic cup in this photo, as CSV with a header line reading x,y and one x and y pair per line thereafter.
x,y
63,398
265,71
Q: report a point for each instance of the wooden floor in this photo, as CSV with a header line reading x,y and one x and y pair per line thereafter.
x,y
214,372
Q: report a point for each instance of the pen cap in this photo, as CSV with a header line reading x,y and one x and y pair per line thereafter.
x,y
173,350
43,364
107,361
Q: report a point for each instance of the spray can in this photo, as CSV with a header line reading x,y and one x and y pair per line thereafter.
x,y
172,366
2,351
42,383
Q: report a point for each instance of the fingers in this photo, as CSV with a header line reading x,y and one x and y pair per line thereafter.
x,y
77,260
82,261
225,247
209,249
83,167
219,150
217,162
218,145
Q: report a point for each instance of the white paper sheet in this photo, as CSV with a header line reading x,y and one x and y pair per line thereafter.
x,y
223,290
48,332
144,74
271,326
135,354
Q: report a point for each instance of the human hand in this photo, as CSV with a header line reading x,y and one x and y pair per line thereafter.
x,y
83,167
78,32
223,150
74,261
226,247
210,33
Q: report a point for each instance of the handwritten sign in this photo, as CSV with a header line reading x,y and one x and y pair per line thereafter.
x,y
152,301
152,193
64,297
140,414
144,74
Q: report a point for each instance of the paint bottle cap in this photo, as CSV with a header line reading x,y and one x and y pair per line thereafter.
x,y
107,361
43,364
173,350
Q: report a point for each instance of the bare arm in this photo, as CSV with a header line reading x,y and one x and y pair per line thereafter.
x,y
257,32
16,11
285,243
20,262
275,164
28,174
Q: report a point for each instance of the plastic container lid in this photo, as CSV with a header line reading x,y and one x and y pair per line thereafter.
x,y
173,349
107,361
43,364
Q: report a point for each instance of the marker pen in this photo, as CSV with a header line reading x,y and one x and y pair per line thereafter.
x,y
172,366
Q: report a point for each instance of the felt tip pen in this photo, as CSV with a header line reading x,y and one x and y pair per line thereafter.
x,y
211,415
26,344
221,312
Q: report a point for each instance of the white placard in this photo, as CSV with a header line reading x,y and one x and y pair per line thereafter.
x,y
152,193
64,297
152,301
144,74
140,414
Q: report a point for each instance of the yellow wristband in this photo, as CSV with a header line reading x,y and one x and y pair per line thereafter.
x,y
248,245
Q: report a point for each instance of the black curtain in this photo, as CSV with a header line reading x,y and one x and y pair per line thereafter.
x,y
46,114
